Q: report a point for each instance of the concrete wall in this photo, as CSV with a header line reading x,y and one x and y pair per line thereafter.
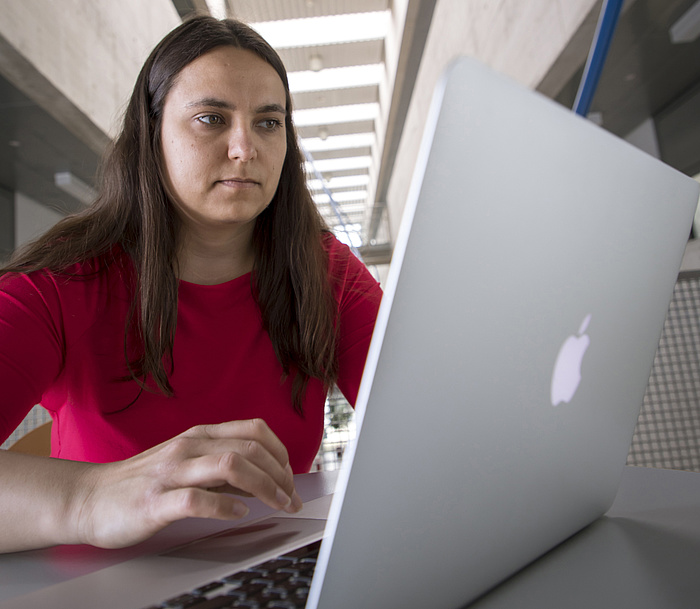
x,y
31,219
79,59
520,39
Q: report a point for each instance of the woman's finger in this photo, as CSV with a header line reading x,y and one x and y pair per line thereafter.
x,y
252,429
198,503
176,456
235,470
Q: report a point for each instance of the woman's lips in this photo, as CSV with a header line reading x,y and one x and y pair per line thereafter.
x,y
239,182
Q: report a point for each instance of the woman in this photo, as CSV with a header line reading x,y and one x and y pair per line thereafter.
x,y
183,331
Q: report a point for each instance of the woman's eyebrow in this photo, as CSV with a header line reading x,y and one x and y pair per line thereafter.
x,y
213,102
209,102
272,108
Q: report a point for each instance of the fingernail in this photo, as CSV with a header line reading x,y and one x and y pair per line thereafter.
x,y
283,499
295,505
240,510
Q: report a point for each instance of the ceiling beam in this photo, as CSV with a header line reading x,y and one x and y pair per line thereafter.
x,y
419,15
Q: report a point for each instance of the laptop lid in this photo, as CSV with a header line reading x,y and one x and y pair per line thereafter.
x,y
527,229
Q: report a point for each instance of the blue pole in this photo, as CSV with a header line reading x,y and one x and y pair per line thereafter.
x,y
596,56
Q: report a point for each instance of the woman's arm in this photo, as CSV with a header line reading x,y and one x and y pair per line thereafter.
x,y
47,502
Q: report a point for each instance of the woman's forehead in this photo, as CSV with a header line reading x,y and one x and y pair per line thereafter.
x,y
228,73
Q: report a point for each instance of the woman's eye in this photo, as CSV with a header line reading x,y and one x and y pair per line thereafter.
x,y
210,119
270,124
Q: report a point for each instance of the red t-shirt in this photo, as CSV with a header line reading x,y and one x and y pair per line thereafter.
x,y
62,345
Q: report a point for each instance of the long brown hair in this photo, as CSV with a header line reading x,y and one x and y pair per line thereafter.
x,y
133,210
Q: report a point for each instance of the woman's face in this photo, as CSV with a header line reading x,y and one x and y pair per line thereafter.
x,y
223,138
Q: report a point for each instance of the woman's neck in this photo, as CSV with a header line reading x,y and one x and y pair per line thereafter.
x,y
214,259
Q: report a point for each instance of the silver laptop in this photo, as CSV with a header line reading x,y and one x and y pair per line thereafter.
x,y
528,289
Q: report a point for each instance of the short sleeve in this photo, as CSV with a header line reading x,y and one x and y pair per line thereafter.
x,y
31,351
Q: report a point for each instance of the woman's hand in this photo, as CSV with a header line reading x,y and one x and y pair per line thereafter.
x,y
120,504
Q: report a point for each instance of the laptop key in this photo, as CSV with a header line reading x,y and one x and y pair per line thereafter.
x,y
285,605
302,593
178,602
218,602
307,569
275,563
274,594
302,580
208,588
247,604
247,590
272,578
241,577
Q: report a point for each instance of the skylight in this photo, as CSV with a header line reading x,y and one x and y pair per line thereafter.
x,y
342,197
332,29
338,142
336,78
354,162
340,182
336,114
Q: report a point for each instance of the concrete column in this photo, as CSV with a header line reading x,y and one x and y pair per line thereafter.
x,y
520,39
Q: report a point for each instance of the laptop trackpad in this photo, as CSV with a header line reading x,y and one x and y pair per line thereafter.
x,y
248,543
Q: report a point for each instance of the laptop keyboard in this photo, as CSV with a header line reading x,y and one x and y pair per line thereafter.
x,y
280,583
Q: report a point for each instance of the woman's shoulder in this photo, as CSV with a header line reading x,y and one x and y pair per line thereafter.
x,y
58,308
351,277
341,259
332,244
339,254
109,269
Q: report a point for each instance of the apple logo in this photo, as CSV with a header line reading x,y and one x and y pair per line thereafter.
x,y
567,370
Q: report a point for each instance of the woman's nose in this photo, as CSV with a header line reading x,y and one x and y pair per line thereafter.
x,y
241,146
